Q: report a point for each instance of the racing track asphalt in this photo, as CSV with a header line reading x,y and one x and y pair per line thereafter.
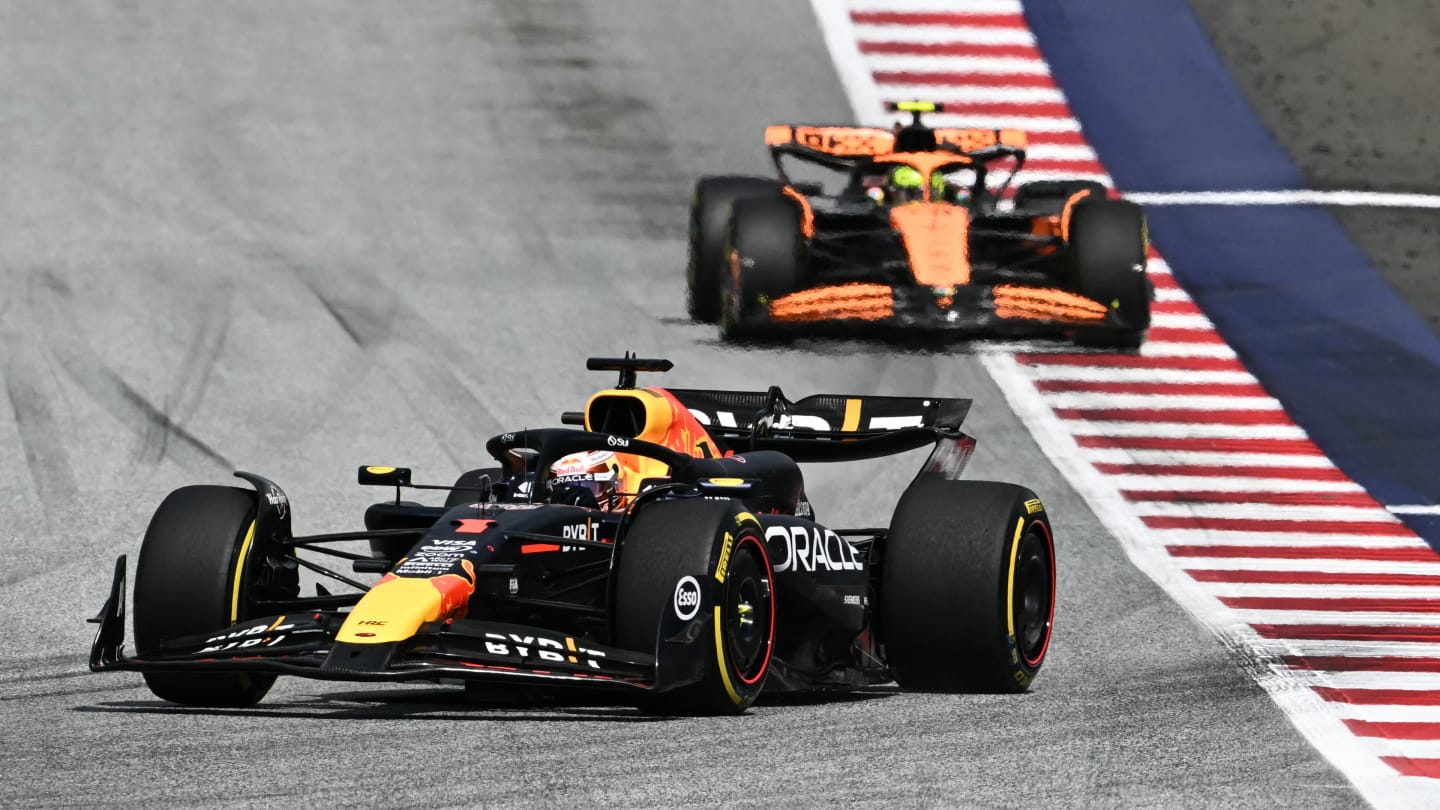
x,y
294,238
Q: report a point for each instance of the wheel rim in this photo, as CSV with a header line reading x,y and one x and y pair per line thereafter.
x,y
748,610
1034,609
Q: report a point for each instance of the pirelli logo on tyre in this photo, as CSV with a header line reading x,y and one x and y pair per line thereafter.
x,y
1033,505
724,557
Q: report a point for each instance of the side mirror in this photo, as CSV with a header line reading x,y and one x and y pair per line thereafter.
x,y
384,476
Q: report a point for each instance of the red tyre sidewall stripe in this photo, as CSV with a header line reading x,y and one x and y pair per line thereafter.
x,y
1050,618
770,636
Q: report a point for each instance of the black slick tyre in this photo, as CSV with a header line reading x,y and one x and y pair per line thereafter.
x,y
191,578
765,249
715,552
967,592
1107,263
709,216
1048,197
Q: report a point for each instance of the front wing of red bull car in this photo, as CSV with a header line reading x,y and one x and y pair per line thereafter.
x,y
702,588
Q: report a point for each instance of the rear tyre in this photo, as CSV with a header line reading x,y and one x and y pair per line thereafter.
x,y
709,216
193,576
471,487
1048,197
677,541
967,592
1107,261
765,246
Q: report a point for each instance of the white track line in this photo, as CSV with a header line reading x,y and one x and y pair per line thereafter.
x,y
973,93
1414,509
1185,430
1170,349
951,6
1171,294
1298,539
944,34
994,65
1258,511
1273,589
1366,199
1189,458
1203,402
1138,375
1332,566
1339,618
1388,714
1375,679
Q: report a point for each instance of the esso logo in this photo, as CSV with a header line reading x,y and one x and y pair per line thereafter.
x,y
687,599
616,441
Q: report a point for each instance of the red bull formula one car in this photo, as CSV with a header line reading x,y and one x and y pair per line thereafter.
x,y
915,239
667,550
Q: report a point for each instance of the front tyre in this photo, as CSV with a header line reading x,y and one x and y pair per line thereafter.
x,y
715,550
193,577
967,594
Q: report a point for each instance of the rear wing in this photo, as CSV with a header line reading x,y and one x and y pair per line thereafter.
x,y
824,427
845,141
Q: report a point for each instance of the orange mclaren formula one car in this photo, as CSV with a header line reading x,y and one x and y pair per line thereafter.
x,y
666,551
917,237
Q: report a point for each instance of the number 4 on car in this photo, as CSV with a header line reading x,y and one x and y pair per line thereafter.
x,y
667,549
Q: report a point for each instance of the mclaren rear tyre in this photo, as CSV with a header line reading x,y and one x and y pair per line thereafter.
x,y
1048,197
1107,250
967,593
765,248
709,216
197,569
705,562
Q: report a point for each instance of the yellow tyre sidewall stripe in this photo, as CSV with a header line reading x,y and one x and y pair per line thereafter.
x,y
1010,583
240,572
720,660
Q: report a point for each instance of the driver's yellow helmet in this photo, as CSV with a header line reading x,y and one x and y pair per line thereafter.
x,y
907,184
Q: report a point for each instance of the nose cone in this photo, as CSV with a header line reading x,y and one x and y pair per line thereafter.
x,y
937,239
397,606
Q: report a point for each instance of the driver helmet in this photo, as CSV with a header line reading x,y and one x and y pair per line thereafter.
x,y
907,184
590,478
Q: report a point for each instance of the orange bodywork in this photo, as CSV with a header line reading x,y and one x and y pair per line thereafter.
x,y
969,139
807,212
866,302
1035,304
848,141
1068,210
833,140
937,240
396,606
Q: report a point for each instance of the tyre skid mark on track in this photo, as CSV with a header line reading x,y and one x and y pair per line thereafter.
x,y
41,437
1153,470
153,425
192,377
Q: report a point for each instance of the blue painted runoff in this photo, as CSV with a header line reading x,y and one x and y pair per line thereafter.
x,y
1301,304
